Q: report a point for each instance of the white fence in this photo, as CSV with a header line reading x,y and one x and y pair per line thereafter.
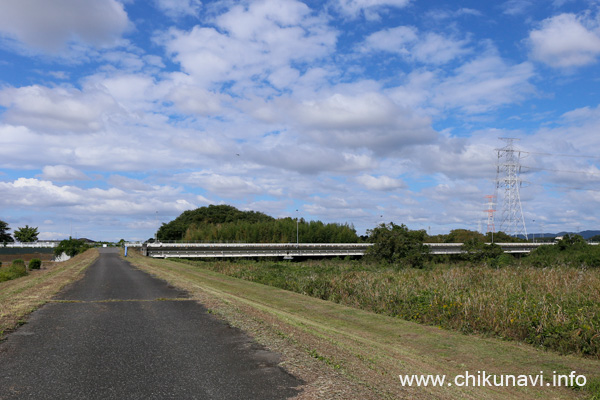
x,y
20,245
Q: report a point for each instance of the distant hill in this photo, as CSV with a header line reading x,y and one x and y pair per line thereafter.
x,y
585,234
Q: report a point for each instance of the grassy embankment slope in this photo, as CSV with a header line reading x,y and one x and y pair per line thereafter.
x,y
555,308
344,352
21,296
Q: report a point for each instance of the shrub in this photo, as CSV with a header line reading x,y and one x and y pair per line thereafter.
x,y
502,260
572,250
591,257
397,244
16,270
476,251
35,263
571,242
71,247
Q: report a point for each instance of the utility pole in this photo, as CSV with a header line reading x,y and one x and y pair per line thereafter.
x,y
507,177
156,233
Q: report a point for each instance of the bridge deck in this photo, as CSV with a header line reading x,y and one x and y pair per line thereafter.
x,y
290,250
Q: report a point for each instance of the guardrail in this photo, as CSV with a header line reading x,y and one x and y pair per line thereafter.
x,y
291,250
456,248
225,250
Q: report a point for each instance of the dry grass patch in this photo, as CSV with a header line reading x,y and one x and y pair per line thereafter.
x,y
21,296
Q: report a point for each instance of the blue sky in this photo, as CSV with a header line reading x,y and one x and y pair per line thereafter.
x,y
116,116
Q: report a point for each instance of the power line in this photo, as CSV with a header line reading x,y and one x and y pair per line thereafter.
x,y
562,170
551,185
559,155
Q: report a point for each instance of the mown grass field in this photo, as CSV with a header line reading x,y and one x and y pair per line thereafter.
x,y
550,308
369,349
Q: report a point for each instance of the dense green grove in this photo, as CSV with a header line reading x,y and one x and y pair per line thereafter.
x,y
223,223
211,215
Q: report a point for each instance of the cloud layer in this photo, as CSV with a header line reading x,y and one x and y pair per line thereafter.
x,y
49,27
116,116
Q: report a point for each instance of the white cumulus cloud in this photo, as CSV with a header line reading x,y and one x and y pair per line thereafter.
x,y
369,8
57,110
406,41
251,43
179,8
566,40
368,120
58,173
380,182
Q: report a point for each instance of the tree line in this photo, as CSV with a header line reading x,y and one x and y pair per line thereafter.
x,y
28,234
224,223
24,234
399,246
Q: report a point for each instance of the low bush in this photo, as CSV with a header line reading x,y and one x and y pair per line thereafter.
x,y
571,251
16,270
35,263
502,260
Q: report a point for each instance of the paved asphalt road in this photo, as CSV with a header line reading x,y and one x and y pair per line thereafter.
x,y
147,342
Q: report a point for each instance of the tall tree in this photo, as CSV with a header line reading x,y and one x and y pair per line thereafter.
x,y
4,235
27,234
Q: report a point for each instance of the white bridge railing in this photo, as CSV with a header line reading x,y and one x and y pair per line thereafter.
x,y
290,250
285,250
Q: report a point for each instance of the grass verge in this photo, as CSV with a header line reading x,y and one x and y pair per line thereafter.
x,y
344,352
555,308
21,296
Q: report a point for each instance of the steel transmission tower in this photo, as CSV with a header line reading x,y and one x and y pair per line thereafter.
x,y
507,178
491,203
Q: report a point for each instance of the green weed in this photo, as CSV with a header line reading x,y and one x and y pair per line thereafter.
x,y
15,270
